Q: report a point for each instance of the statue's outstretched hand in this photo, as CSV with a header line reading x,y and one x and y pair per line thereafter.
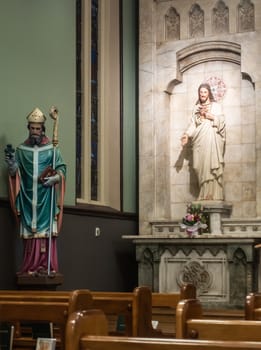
x,y
11,163
51,180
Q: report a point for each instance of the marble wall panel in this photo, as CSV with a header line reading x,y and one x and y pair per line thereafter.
x,y
233,172
146,107
162,193
179,193
248,115
248,191
249,209
233,154
248,133
147,205
232,115
147,180
179,176
248,171
233,192
147,139
178,209
146,84
237,210
248,152
233,135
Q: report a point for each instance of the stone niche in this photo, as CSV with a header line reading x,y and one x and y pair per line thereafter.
x,y
182,44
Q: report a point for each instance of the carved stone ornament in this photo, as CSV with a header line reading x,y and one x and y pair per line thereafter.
x,y
172,25
196,273
196,21
246,16
220,18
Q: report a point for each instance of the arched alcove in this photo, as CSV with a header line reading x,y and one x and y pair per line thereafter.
x,y
207,51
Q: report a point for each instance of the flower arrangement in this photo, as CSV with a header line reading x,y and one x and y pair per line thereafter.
x,y
194,220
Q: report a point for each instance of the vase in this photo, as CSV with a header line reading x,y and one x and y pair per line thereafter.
x,y
193,230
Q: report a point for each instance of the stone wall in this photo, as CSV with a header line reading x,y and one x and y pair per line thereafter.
x,y
183,43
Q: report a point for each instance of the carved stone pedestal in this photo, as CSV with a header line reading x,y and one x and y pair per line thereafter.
x,y
41,282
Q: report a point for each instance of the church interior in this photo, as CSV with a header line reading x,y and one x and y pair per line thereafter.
x,y
146,166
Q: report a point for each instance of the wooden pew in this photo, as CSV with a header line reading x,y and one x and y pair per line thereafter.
x,y
134,307
164,308
140,307
87,331
191,325
119,343
253,306
38,306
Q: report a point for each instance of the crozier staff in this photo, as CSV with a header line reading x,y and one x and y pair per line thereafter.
x,y
33,171
207,134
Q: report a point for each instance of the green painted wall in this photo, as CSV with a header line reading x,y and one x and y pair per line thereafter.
x,y
37,64
130,112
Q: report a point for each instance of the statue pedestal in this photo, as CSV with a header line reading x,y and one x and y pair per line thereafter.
x,y
216,211
42,282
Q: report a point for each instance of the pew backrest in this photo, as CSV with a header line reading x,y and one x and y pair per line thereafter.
x,y
164,308
170,300
191,325
77,299
135,307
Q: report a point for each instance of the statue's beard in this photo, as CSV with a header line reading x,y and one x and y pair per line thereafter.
x,y
203,100
35,140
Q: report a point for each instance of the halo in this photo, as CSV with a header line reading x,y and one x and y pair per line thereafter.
x,y
218,87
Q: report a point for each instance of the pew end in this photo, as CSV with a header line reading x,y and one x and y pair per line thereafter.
x,y
82,323
143,309
253,306
186,309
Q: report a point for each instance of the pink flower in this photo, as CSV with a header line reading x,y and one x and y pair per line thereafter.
x,y
189,217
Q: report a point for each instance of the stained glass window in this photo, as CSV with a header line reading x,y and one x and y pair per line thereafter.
x,y
78,96
94,100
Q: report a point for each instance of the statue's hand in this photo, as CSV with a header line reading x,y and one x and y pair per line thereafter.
x,y
184,139
51,180
9,158
11,163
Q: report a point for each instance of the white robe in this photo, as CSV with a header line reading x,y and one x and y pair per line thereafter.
x,y
208,142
